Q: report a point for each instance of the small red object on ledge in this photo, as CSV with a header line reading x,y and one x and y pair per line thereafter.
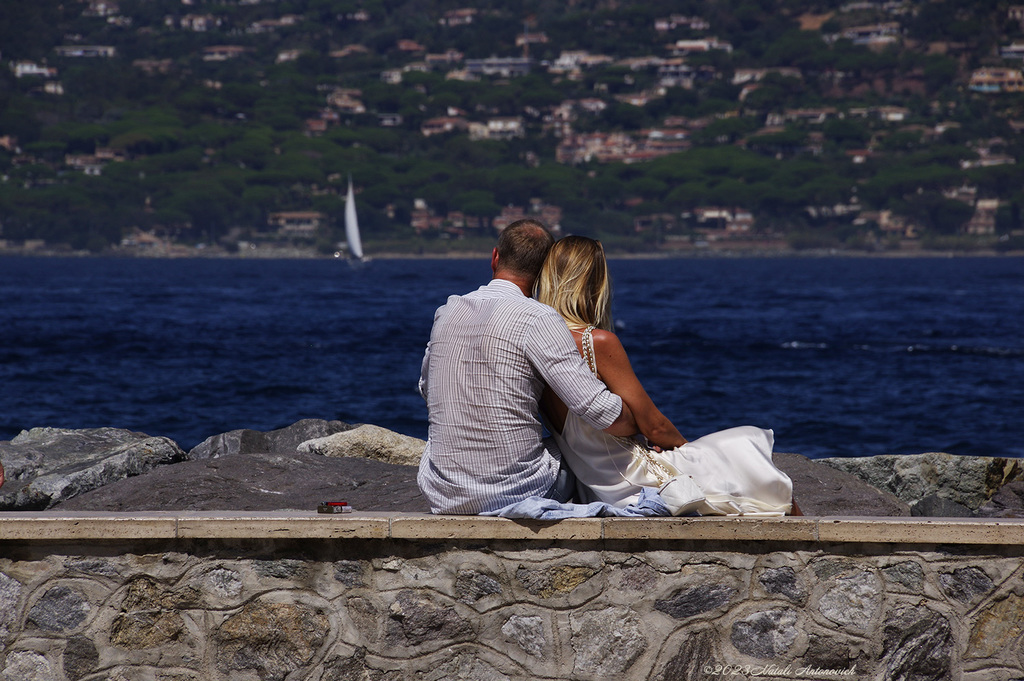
x,y
333,507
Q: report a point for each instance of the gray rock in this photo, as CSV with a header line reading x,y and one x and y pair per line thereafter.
x,y
349,573
783,581
696,651
963,584
527,632
60,609
471,586
369,442
917,645
463,666
825,652
148,617
853,601
822,490
281,441
45,466
260,482
554,581
10,593
606,642
80,657
1008,502
765,635
272,639
908,574
694,601
26,665
415,619
966,480
936,506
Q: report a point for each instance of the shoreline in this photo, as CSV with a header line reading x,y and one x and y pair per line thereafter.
x,y
680,254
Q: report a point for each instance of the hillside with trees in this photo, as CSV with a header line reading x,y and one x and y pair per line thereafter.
x,y
656,125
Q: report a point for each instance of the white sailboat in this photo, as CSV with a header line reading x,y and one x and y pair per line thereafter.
x,y
355,244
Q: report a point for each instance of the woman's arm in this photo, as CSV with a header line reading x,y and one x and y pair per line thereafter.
x,y
614,369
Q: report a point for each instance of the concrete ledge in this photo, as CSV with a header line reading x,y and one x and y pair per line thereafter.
x,y
51,526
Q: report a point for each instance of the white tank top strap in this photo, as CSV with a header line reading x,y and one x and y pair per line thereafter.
x,y
588,348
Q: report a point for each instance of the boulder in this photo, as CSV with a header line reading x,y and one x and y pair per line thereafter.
x,y
936,506
368,442
821,490
1008,502
260,481
966,480
283,440
45,466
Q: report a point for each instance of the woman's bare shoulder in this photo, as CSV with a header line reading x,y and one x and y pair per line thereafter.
x,y
606,341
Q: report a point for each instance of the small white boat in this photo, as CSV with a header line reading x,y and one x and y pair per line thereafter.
x,y
355,244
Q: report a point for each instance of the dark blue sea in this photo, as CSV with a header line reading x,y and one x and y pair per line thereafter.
x,y
840,356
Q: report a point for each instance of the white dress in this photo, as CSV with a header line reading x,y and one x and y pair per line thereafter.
x,y
732,468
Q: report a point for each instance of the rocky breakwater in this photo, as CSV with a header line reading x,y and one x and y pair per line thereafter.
x,y
937,484
313,460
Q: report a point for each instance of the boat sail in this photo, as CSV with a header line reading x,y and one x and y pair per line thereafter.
x,y
355,244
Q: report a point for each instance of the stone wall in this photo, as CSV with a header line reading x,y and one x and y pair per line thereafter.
x,y
449,607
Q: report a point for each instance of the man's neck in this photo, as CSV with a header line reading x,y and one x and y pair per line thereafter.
x,y
525,285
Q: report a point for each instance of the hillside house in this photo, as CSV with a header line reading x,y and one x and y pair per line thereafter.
x,y
526,39
446,58
458,17
810,116
273,24
506,67
1012,51
983,222
892,114
296,224
314,127
152,67
994,80
348,51
85,163
676,73
663,141
684,47
443,124
986,160
743,76
576,61
499,128
574,148
873,34
223,52
671,23
346,101
199,23
23,69
101,8
86,51
411,46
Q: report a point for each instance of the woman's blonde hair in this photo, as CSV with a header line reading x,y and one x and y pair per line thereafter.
x,y
574,280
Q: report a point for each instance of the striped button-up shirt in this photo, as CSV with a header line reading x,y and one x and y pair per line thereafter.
x,y
490,354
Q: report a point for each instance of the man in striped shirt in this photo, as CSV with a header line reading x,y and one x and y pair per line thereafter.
x,y
491,352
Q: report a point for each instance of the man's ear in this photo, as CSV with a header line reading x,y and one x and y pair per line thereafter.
x,y
494,259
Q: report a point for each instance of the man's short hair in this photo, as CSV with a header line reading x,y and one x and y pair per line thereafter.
x,y
522,247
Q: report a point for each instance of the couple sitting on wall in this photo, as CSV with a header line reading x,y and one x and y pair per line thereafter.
x,y
533,349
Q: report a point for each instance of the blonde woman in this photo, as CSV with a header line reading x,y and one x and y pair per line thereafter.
x,y
725,473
